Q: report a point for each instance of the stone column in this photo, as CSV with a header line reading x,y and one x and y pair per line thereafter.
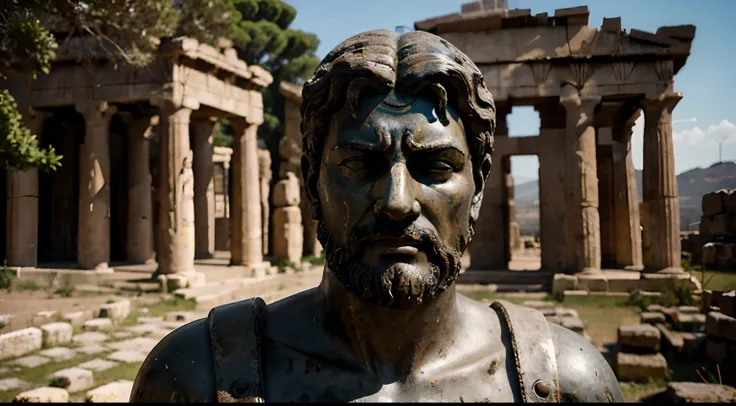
x,y
176,188
93,247
21,234
245,212
264,176
204,189
139,244
661,245
489,249
604,168
627,227
552,186
582,223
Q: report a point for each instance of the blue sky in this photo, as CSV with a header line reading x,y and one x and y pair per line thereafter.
x,y
705,114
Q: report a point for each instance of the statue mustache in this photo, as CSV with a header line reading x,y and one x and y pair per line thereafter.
x,y
362,237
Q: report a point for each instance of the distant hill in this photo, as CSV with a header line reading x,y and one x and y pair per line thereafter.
x,y
692,185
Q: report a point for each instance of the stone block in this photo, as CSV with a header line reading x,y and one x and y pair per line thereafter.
x,y
101,324
699,392
705,227
639,336
572,323
729,202
669,313
593,283
286,192
688,309
90,337
76,319
719,224
116,311
717,349
127,356
565,312
98,364
30,361
180,316
114,392
694,345
727,303
671,340
724,255
150,320
692,322
142,344
563,282
719,325
120,335
711,298
20,342
141,329
12,384
73,379
44,317
59,353
55,334
90,349
655,282
624,285
712,203
654,308
651,318
43,395
708,254
641,367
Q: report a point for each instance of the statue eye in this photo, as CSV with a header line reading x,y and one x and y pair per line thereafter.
x,y
355,164
440,166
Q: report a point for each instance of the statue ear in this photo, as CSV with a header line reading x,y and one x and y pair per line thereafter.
x,y
481,175
310,187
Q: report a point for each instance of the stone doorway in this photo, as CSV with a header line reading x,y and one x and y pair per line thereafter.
x,y
58,191
522,201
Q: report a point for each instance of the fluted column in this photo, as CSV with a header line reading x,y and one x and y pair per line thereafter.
x,y
552,186
604,169
139,243
93,248
661,245
176,192
489,249
582,223
21,233
204,189
246,239
627,227
264,176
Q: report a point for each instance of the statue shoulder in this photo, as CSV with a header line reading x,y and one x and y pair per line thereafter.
x,y
179,369
584,374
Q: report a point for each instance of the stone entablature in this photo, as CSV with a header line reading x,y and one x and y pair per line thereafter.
x,y
525,57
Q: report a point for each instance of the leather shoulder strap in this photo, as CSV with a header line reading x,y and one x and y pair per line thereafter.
x,y
534,352
235,332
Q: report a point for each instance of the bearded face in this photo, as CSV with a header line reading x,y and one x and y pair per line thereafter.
x,y
395,190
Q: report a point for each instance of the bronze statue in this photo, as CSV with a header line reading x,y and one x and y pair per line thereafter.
x,y
397,134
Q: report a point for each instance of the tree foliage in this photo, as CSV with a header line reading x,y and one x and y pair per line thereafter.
x,y
132,29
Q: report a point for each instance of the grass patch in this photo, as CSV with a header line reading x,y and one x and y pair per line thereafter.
x,y
314,260
717,280
634,391
177,304
7,276
22,286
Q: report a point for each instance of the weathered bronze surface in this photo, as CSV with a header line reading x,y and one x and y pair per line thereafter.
x,y
397,134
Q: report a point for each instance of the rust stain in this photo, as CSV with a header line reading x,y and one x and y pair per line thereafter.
x,y
433,383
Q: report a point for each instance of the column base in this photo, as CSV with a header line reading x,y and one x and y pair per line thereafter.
x,y
182,280
670,270
256,270
636,268
100,268
589,271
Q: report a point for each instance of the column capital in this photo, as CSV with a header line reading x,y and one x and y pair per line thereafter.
x,y
96,111
242,124
584,102
666,101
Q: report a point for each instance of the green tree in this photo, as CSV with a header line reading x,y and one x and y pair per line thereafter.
x,y
263,37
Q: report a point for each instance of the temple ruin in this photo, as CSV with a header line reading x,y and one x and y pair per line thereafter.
x,y
100,206
589,85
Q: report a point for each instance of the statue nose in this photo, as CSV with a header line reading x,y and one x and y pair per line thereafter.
x,y
398,201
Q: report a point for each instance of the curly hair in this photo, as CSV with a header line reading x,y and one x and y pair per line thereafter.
x,y
414,63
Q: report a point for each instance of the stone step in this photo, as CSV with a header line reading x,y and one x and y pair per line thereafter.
x,y
506,277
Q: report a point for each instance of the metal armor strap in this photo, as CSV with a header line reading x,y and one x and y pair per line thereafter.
x,y
235,331
534,352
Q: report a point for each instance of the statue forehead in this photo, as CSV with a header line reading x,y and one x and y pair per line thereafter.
x,y
383,119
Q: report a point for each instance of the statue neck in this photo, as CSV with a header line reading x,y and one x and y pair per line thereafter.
x,y
390,343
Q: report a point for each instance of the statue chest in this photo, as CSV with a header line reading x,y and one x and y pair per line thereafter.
x,y
485,376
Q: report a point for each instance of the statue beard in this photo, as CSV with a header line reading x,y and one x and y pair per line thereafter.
x,y
400,284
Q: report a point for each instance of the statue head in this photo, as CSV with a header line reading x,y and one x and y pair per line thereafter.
x,y
397,134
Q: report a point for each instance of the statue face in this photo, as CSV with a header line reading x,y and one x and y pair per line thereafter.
x,y
395,189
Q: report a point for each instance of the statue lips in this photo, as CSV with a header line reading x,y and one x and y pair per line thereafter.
x,y
379,247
